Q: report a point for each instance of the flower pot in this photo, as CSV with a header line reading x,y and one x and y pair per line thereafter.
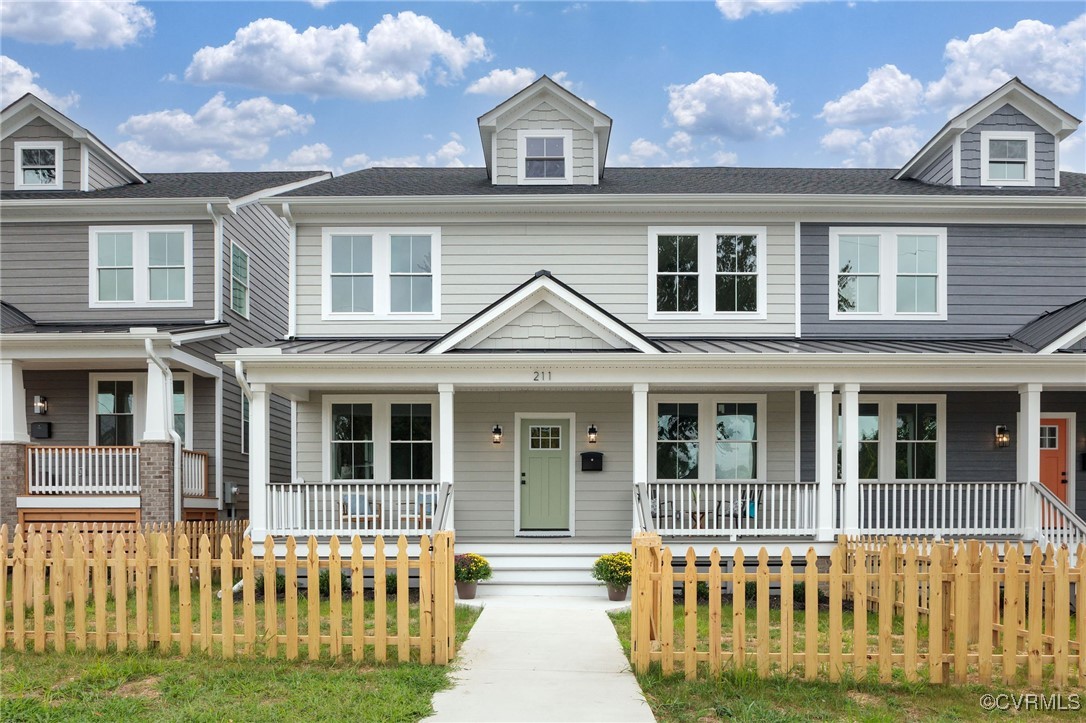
x,y
466,590
616,593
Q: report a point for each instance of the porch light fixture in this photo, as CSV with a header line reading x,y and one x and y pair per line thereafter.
x,y
593,434
496,434
1002,436
41,405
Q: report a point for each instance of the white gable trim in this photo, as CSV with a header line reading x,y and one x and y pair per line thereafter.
x,y
1073,336
543,288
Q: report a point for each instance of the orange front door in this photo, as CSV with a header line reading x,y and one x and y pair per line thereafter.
x,y
1054,456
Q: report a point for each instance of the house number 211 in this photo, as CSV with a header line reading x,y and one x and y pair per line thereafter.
x,y
541,376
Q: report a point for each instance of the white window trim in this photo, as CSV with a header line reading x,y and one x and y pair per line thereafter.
x,y
707,271
707,432
522,150
888,436
888,236
186,379
139,394
382,431
1031,157
248,279
140,267
382,270
57,147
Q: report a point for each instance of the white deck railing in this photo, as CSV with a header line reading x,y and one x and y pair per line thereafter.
x,y
82,470
1058,523
348,508
739,509
194,477
947,509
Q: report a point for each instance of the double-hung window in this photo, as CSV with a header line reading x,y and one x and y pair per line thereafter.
x,y
352,441
114,412
411,445
736,441
239,280
710,439
1006,158
545,156
383,438
39,165
901,437
137,266
697,272
677,441
381,273
887,273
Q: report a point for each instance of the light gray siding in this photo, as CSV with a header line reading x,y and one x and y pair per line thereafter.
x,y
1008,118
101,175
543,327
998,278
544,116
941,171
56,256
607,261
40,130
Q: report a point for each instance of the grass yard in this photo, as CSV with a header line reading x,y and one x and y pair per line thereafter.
x,y
153,687
741,695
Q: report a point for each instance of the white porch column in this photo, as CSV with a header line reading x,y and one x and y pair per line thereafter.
x,y
1029,452
824,460
850,457
259,458
13,408
446,454
640,439
156,406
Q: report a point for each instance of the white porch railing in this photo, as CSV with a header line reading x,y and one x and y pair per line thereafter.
x,y
82,470
948,509
194,477
348,508
738,509
1057,523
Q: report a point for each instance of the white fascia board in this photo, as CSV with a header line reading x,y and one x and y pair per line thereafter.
x,y
1073,336
74,345
46,210
187,337
266,194
193,363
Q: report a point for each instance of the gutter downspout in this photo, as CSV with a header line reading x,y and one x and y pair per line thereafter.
x,y
216,219
292,272
167,409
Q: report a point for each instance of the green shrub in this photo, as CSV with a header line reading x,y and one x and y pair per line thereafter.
x,y
615,568
391,579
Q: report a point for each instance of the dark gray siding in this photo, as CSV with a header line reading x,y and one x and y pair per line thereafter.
x,y
39,130
56,255
68,393
941,170
998,278
100,175
1009,118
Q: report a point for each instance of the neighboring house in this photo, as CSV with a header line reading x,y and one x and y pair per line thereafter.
x,y
117,289
721,354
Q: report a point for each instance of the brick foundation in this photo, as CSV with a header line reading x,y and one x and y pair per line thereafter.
x,y
156,482
12,480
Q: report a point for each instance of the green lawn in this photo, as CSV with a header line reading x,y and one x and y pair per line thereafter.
x,y
153,687
741,695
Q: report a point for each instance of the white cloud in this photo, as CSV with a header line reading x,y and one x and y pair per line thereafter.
x,y
503,82
725,158
241,131
1047,58
320,4
887,147
85,24
448,155
574,8
148,159
641,152
312,157
1072,154
681,142
16,80
888,96
736,105
739,9
394,60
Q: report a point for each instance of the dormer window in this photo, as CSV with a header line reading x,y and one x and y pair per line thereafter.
x,y
1006,158
544,156
39,165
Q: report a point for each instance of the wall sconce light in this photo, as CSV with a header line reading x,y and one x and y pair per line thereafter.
x,y
41,405
496,434
1002,436
593,434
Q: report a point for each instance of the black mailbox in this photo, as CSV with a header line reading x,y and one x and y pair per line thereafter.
x,y
41,430
591,461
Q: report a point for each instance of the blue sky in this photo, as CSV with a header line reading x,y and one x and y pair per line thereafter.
x,y
342,85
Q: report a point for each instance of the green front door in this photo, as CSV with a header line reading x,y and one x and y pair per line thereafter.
x,y
544,474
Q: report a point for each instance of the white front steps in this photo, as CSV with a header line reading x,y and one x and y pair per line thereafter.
x,y
541,568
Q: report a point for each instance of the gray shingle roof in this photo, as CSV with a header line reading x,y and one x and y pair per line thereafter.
x,y
474,182
181,185
1051,325
12,319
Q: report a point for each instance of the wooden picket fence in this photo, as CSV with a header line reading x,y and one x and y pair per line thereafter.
x,y
1002,615
63,532
124,591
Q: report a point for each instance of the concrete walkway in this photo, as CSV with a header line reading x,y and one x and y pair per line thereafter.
x,y
542,659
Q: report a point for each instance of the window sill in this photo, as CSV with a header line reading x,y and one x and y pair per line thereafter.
x,y
887,317
140,305
361,316
713,316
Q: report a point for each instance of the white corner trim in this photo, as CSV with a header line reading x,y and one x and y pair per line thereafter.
x,y
58,149
957,180
567,150
1031,156
84,167
542,288
796,295
1076,334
